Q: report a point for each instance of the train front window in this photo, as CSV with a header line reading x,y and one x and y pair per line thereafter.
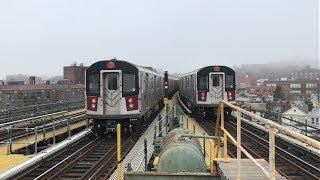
x,y
229,81
203,83
215,80
112,81
129,83
93,83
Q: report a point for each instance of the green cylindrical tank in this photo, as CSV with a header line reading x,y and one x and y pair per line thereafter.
x,y
181,154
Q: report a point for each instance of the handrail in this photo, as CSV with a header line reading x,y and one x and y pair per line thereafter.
x,y
274,127
311,142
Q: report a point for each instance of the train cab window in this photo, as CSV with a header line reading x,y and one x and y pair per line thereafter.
x,y
216,80
129,83
203,83
112,81
229,81
93,83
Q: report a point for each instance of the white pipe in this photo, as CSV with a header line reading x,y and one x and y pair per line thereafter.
x,y
42,155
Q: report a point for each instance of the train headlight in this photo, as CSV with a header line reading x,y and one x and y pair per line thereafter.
x,y
132,103
231,95
94,101
202,96
130,100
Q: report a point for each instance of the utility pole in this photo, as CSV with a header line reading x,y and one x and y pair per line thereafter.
x,y
318,87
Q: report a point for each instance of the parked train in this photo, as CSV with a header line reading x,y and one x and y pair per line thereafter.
x,y
201,90
121,92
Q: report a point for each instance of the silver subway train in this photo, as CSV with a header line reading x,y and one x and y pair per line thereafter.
x,y
201,90
121,92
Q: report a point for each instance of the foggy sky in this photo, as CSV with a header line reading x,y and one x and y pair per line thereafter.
x,y
40,36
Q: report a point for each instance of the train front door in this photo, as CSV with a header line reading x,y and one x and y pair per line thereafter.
x,y
216,87
111,92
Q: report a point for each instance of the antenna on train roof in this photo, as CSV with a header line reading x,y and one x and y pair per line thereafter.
x,y
113,59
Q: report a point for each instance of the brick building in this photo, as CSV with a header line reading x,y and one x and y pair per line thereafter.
x,y
306,74
32,94
246,80
75,74
298,88
265,90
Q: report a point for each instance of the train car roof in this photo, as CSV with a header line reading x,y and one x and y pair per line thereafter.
x,y
102,66
207,67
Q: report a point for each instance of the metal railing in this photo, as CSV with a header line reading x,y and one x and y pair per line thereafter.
x,y
13,114
33,135
273,129
305,127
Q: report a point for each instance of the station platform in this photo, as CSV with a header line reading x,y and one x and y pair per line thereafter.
x,y
11,160
136,155
249,170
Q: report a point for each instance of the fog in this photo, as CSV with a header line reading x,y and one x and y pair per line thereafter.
x,y
39,37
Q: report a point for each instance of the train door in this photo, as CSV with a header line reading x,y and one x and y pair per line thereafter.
x,y
111,91
216,87
147,91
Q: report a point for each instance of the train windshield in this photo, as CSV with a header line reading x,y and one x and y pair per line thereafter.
x,y
203,83
129,83
229,82
216,80
112,81
93,83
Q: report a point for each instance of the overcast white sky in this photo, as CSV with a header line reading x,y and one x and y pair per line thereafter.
x,y
40,36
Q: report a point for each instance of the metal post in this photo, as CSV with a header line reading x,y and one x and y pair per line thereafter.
x,y
306,127
167,128
36,141
8,141
238,145
160,126
27,141
155,134
187,123
225,138
69,130
210,157
54,132
204,146
145,155
272,133
44,132
119,171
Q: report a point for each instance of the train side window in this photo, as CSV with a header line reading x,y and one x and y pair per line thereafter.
x,y
129,83
147,83
48,94
20,96
112,81
93,83
203,83
215,80
229,81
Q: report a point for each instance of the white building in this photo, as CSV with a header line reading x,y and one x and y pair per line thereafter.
x,y
294,115
314,117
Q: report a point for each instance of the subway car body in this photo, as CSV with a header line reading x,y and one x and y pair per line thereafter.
x,y
201,90
121,92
